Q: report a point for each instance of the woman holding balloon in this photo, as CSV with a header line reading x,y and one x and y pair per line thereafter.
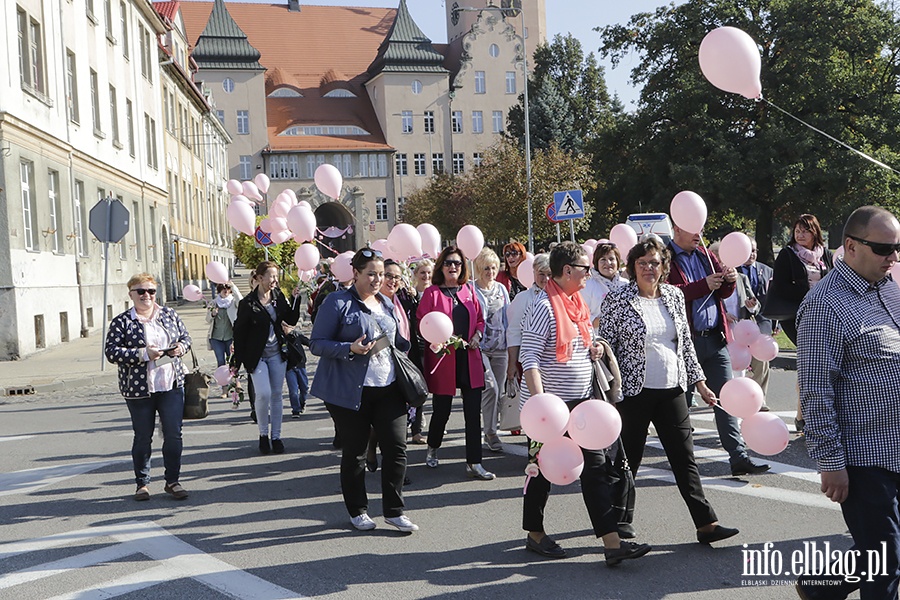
x,y
646,326
556,353
513,255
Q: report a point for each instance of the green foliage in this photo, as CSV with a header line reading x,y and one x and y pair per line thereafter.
x,y
251,254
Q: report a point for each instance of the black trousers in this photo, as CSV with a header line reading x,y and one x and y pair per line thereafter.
x,y
597,480
668,413
384,411
440,414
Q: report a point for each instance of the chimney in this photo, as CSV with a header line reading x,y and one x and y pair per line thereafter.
x,y
294,5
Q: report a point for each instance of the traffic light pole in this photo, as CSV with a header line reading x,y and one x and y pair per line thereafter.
x,y
108,201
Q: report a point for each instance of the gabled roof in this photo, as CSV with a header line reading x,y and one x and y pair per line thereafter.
x,y
167,10
406,49
224,45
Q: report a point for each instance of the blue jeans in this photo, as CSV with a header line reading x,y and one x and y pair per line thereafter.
x,y
716,364
268,381
222,350
872,516
170,406
298,386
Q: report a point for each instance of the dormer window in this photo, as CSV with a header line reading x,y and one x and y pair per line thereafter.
x,y
340,93
299,130
285,92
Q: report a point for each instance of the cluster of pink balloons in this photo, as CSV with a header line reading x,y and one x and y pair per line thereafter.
x,y
244,196
763,432
592,425
406,243
748,342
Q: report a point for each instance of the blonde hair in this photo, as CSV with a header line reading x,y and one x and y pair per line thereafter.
x,y
141,278
485,258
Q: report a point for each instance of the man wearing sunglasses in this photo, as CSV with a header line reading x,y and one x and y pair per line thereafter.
x,y
848,368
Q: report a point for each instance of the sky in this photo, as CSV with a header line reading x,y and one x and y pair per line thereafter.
x,y
577,17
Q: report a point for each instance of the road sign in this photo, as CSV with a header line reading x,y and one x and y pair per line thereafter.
x,y
569,204
109,220
264,239
551,213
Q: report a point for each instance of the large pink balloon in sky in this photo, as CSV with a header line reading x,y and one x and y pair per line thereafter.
x,y
729,59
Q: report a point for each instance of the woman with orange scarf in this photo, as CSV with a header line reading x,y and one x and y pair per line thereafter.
x,y
556,354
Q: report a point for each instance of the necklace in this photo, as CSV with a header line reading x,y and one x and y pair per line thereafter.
x,y
453,293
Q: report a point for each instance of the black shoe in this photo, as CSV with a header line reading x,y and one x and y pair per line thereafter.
x,y
745,466
799,425
371,465
546,547
626,531
277,446
624,552
716,535
264,447
811,587
295,415
336,442
407,481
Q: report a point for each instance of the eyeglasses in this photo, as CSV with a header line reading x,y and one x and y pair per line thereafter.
x,y
369,253
512,253
142,291
587,268
453,263
392,277
648,265
879,249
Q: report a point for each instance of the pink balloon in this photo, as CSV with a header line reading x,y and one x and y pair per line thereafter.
x,y
735,249
405,241
266,225
594,425
544,417
302,223
589,250
281,206
251,191
764,348
529,255
262,182
234,187
222,375
436,327
560,461
306,257
624,237
765,433
740,356
431,239
745,332
292,195
192,293
279,237
304,203
729,59
329,181
307,276
341,267
380,245
244,199
688,211
216,272
525,272
241,217
470,240
741,397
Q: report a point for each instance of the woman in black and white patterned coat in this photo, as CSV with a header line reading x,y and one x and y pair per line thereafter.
x,y
646,326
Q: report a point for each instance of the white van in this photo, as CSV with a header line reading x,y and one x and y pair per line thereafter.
x,y
657,223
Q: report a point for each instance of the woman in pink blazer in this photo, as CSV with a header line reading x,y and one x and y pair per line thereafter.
x,y
453,295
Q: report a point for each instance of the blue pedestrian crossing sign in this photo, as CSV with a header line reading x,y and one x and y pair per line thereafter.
x,y
569,204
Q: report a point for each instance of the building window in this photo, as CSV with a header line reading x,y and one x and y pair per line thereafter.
x,y
429,121
494,50
479,82
79,214
114,115
146,48
459,163
477,121
153,233
245,168
129,125
71,87
310,166
437,163
476,159
510,82
228,85
108,16
55,211
456,120
419,164
416,87
123,16
95,104
123,243
497,121
220,115
382,165
381,209
348,166
150,132
31,53
400,160
29,215
136,222
243,122
89,10
406,121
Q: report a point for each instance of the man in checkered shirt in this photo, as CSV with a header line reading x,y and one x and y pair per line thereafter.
x,y
848,364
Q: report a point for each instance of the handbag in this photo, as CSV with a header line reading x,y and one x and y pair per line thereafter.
x,y
509,407
196,393
409,379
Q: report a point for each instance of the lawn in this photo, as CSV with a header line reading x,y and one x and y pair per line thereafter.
x,y
783,342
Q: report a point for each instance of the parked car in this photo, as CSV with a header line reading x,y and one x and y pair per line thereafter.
x,y
657,223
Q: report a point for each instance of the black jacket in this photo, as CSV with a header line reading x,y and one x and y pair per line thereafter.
x,y
251,328
790,284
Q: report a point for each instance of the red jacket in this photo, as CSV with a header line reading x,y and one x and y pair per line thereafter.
x,y
695,290
443,380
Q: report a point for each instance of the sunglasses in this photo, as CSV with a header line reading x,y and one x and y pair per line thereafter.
x,y
142,291
511,253
452,263
586,268
369,253
879,249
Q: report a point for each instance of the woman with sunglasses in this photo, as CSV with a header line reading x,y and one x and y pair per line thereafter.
x,y
800,265
353,334
605,276
146,342
453,295
513,255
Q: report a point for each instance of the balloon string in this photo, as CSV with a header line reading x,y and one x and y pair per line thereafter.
x,y
832,138
440,360
711,268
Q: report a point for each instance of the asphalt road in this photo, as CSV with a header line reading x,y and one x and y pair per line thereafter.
x,y
272,527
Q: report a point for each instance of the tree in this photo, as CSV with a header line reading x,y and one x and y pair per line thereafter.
x,y
251,254
834,63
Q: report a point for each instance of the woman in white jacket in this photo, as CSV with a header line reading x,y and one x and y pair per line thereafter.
x,y
221,315
606,264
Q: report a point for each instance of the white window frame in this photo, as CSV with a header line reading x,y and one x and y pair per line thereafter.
x,y
245,165
79,216
406,121
510,82
243,122
497,121
401,166
477,121
480,82
429,121
420,166
459,163
456,120
29,215
381,209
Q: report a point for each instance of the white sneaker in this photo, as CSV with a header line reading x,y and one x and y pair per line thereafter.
x,y
402,523
363,522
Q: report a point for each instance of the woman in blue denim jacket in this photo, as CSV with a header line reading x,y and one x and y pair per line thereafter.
x,y
352,335
142,341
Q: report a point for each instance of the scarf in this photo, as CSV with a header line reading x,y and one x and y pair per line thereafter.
x,y
570,312
225,302
811,257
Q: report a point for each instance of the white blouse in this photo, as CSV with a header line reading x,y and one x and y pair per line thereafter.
x,y
659,345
